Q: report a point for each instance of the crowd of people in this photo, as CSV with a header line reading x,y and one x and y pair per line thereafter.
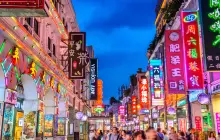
x,y
149,134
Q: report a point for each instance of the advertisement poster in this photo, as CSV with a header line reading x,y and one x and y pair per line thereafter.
x,y
207,121
61,127
19,125
8,122
40,123
48,126
29,125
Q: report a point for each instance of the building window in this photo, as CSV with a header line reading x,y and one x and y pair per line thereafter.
x,y
54,50
36,26
28,20
49,43
63,21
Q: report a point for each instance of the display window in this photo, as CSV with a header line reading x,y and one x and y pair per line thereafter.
x,y
48,125
29,125
8,122
19,119
40,123
61,127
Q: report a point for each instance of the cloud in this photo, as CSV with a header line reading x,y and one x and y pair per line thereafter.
x,y
130,13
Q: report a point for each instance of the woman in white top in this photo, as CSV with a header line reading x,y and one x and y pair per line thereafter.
x,y
211,136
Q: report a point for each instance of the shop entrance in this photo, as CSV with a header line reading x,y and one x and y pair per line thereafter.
x,y
50,121
30,107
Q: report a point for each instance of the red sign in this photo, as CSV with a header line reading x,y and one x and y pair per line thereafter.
x,y
198,122
217,117
143,89
22,4
24,8
192,51
174,62
134,105
182,125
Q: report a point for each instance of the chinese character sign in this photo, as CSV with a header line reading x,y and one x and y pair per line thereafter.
x,y
191,44
121,110
198,122
134,105
78,58
156,78
143,89
217,115
174,62
210,24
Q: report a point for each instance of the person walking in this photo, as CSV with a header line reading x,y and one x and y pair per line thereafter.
x,y
165,135
173,135
212,136
181,136
160,134
114,135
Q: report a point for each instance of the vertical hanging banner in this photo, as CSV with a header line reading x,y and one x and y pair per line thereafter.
x,y
93,78
134,105
143,89
156,78
78,58
175,74
211,29
194,70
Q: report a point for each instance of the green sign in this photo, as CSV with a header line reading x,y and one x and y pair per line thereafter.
x,y
181,102
207,121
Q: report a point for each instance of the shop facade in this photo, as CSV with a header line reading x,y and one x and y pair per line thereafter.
x,y
30,94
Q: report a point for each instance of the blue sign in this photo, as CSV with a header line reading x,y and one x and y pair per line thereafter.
x,y
193,95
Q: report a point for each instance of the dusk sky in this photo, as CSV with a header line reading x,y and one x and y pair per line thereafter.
x,y
120,32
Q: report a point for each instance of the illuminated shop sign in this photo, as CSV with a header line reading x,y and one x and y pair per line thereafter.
x,y
48,126
175,72
198,123
93,78
191,42
203,98
217,117
24,8
193,95
121,110
78,58
215,88
134,105
156,79
99,92
181,103
211,29
143,89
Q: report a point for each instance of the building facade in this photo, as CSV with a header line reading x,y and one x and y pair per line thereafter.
x,y
37,97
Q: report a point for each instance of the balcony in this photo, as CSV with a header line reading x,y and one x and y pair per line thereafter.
x,y
31,31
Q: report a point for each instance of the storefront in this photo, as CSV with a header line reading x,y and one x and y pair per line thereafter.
x,y
181,113
215,98
19,119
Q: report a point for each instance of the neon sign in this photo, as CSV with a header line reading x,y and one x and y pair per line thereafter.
x,y
210,15
190,18
191,41
143,89
134,105
156,79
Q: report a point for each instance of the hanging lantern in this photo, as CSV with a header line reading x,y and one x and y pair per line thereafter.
x,y
79,115
84,118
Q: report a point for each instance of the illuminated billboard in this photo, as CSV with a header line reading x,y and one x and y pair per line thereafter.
x,y
156,82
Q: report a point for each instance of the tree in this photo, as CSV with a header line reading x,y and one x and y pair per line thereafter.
x,y
133,80
113,100
127,92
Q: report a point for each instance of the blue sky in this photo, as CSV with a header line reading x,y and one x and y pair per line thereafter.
x,y
119,31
